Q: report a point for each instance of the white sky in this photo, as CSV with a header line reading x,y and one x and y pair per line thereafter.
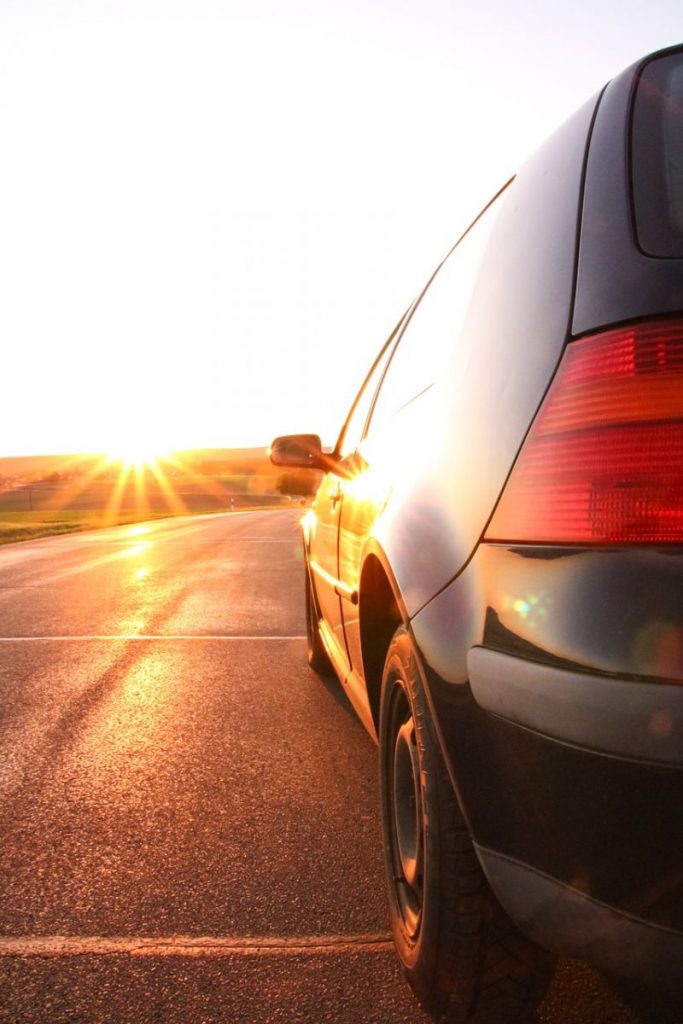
x,y
213,213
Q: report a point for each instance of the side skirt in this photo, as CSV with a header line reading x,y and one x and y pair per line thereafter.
x,y
354,687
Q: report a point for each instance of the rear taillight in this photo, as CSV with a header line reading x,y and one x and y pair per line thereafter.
x,y
603,462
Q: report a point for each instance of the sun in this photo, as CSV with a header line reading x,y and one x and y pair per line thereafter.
x,y
135,455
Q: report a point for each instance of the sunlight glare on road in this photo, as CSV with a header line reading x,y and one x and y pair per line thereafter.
x,y
137,531
136,549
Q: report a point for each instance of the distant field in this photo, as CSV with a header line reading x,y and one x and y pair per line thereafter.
x,y
43,495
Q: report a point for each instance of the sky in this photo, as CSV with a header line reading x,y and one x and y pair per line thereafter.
x,y
212,214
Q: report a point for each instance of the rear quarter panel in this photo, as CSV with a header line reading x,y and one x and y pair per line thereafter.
x,y
454,446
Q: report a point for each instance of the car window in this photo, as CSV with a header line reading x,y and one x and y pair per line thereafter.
x,y
433,329
355,425
657,157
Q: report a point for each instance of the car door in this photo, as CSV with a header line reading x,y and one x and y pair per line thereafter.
x,y
323,562
331,593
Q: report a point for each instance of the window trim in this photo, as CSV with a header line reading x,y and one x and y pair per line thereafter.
x,y
391,340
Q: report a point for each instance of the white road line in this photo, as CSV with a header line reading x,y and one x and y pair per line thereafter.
x,y
145,636
228,539
189,945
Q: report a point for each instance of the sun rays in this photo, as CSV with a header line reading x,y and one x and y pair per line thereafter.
x,y
139,482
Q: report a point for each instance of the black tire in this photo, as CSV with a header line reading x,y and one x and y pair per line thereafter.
x,y
316,653
461,954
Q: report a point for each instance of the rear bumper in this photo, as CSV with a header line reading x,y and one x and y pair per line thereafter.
x,y
626,722
556,681
583,847
559,918
639,720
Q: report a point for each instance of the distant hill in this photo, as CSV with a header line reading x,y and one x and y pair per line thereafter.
x,y
204,461
42,495
220,461
36,466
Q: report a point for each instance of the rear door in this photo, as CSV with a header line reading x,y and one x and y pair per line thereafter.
x,y
407,426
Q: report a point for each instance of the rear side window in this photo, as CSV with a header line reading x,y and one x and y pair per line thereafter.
x,y
433,329
355,424
657,157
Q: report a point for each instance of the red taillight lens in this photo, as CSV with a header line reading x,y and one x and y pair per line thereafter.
x,y
603,463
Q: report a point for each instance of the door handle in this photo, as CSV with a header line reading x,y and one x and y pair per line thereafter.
x,y
335,496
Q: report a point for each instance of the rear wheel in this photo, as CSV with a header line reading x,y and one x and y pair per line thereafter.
x,y
460,952
316,654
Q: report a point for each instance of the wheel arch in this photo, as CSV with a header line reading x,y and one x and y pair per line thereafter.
x,y
381,612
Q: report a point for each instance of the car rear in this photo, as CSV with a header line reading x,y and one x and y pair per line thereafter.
x,y
568,758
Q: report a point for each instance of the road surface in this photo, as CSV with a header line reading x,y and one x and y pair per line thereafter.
x,y
189,817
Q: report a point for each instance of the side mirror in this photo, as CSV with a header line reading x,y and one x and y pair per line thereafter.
x,y
301,450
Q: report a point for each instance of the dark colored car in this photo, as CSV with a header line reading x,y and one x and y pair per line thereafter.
x,y
494,570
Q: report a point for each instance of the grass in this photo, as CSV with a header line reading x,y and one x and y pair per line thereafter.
x,y
29,525
25,525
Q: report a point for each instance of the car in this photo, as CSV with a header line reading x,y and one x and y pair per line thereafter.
x,y
494,571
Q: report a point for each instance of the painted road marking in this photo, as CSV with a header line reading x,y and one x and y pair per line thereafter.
x,y
145,636
189,945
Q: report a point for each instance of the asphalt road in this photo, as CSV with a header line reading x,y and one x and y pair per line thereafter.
x,y
189,817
